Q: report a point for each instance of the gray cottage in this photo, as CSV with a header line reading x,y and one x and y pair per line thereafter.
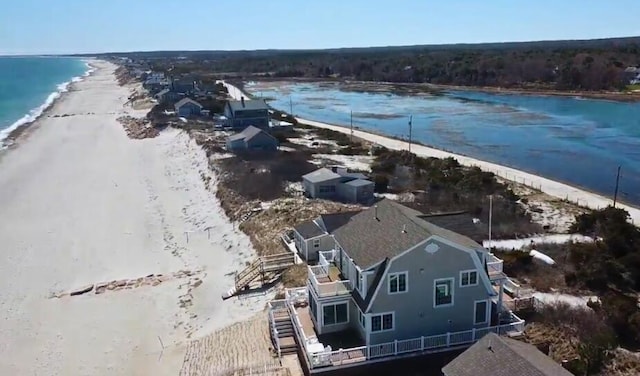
x,y
244,113
314,236
338,185
498,356
252,139
394,283
188,107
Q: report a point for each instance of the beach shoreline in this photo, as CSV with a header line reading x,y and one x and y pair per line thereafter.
x,y
557,189
14,132
115,253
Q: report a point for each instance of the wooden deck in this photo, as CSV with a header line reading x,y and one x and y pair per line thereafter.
x,y
305,320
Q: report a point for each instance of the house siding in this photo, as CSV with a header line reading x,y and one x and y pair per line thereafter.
x,y
324,329
313,189
326,244
262,141
188,109
414,310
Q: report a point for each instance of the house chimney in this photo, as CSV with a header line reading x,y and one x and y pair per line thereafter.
x,y
242,100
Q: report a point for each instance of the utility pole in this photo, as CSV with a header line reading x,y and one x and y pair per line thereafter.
x,y
290,105
490,217
351,139
410,126
615,194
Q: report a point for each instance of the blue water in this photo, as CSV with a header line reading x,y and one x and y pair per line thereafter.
x,y
29,84
574,140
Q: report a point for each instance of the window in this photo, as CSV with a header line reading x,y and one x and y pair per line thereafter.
x,y
468,278
398,282
327,188
382,322
335,314
443,294
481,312
362,318
316,243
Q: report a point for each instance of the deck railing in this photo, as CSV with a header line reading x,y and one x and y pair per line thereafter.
x,y
325,289
494,265
276,306
429,344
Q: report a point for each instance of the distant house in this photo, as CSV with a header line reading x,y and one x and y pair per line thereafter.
x,y
252,138
498,356
244,113
166,96
183,85
315,236
338,185
188,107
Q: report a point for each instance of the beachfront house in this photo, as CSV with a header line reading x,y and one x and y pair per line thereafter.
x,y
188,107
252,139
166,96
338,184
394,284
499,356
244,113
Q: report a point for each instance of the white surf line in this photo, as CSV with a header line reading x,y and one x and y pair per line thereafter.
x,y
548,186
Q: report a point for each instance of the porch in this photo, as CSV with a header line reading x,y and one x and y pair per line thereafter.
x,y
326,278
321,355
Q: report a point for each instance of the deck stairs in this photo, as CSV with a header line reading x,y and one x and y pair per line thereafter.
x,y
260,269
281,329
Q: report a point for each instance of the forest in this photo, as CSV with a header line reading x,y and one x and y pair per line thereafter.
x,y
590,65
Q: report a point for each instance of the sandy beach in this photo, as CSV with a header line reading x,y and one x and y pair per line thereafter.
x,y
82,204
553,188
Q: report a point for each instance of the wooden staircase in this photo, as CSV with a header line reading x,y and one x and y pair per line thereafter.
x,y
281,329
260,268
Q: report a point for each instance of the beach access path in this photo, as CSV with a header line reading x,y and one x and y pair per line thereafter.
x,y
82,204
551,187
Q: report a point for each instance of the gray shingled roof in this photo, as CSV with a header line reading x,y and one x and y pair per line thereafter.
x,y
184,101
369,238
334,221
249,105
308,230
359,183
322,174
499,356
247,134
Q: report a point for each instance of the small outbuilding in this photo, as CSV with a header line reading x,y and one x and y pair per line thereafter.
x,y
252,139
188,107
338,185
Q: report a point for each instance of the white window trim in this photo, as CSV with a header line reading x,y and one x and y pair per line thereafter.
x,y
486,312
334,304
393,322
316,243
362,319
406,282
453,289
469,271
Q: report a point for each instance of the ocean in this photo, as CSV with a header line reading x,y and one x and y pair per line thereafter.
x,y
573,140
28,85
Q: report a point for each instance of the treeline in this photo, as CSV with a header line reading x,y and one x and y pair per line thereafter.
x,y
558,65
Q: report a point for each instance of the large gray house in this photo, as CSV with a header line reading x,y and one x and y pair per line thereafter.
x,y
252,139
244,113
338,185
186,107
397,283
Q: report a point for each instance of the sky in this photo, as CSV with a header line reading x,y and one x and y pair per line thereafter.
x,y
94,26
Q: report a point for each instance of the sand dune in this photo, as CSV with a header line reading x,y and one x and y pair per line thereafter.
x,y
80,204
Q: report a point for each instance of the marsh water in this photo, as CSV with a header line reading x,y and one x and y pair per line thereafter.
x,y
574,140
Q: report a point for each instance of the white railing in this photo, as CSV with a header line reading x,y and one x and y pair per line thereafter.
x,y
324,289
430,344
494,264
326,257
276,305
435,343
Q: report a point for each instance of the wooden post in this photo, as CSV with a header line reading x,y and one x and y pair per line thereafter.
x,y
395,347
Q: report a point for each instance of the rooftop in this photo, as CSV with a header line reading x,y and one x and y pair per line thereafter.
x,y
248,105
387,229
500,356
359,183
322,174
184,101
